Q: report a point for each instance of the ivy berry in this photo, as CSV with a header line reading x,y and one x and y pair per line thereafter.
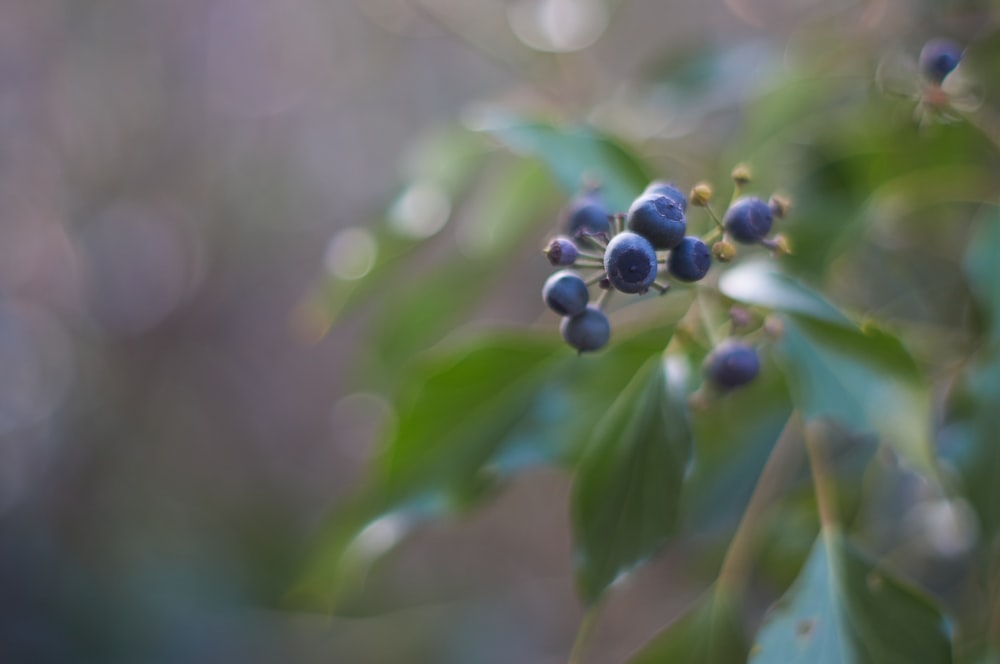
x,y
630,263
690,260
565,293
938,58
670,190
731,364
748,220
659,219
562,251
588,330
587,214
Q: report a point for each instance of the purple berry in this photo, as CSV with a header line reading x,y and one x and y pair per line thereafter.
x,y
562,251
731,364
670,190
748,220
587,214
690,260
630,262
938,58
587,331
566,293
659,219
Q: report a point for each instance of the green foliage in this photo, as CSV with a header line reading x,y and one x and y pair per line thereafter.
x,y
845,610
854,332
626,498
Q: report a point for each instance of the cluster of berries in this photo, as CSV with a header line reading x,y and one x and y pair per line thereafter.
x,y
630,253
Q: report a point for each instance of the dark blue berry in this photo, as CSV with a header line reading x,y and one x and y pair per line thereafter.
x,y
731,364
587,214
748,220
565,293
630,262
586,331
670,190
659,219
938,58
690,260
562,251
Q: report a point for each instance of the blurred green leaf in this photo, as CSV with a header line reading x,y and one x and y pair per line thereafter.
x,y
734,436
864,379
983,270
845,610
576,153
969,441
709,633
762,283
471,414
626,497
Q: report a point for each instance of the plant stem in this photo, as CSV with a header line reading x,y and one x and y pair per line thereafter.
x,y
819,462
584,633
785,457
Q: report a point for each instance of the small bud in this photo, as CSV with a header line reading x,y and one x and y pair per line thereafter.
x,y
701,194
562,251
740,317
741,174
723,251
780,205
774,327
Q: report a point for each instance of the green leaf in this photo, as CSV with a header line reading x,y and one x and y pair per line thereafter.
x,y
626,497
843,609
866,380
499,402
576,153
471,414
762,283
734,436
969,441
710,633
983,270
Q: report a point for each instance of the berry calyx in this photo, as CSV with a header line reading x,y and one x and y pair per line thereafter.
x,y
731,364
562,251
566,293
690,260
670,190
586,331
741,174
723,251
659,219
630,263
587,214
938,58
748,220
701,194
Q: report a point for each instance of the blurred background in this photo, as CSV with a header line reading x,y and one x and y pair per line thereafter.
x,y
194,369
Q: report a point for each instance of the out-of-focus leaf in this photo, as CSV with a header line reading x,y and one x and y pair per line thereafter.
x,y
763,284
866,380
710,633
844,610
626,497
969,441
734,435
576,153
983,270
469,415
